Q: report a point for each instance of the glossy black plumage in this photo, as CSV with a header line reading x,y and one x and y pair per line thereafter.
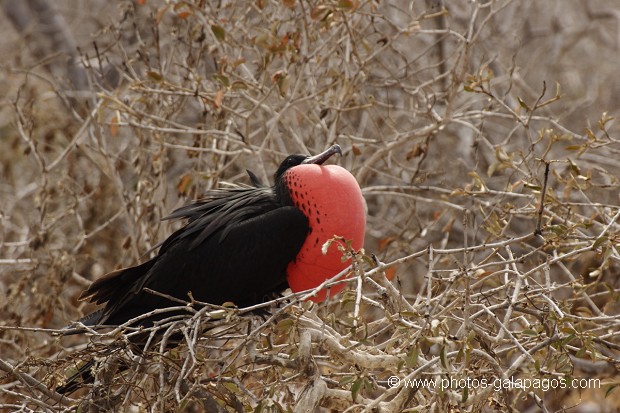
x,y
235,247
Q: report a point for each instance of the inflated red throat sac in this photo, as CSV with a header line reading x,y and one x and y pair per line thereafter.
x,y
331,199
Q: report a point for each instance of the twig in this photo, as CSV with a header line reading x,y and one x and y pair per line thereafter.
x,y
30,381
541,209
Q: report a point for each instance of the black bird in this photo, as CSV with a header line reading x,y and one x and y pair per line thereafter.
x,y
240,245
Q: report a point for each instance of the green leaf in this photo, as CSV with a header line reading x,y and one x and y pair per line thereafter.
x,y
346,380
599,241
574,167
355,388
412,356
523,104
218,32
238,84
222,79
610,389
581,352
231,387
460,355
284,326
442,357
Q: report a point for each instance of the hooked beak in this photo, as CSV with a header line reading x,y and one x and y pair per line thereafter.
x,y
323,156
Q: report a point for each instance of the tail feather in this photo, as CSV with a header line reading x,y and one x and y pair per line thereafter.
x,y
114,284
89,320
83,376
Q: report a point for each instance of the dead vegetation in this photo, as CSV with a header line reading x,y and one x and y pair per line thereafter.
x,y
483,136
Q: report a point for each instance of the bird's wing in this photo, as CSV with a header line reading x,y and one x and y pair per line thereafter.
x,y
109,286
220,211
234,249
217,211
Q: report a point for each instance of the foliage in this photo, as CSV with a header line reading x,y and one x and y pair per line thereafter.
x,y
483,136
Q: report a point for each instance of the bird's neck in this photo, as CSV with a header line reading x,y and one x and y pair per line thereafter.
x,y
282,192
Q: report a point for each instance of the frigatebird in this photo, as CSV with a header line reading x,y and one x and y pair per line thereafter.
x,y
240,245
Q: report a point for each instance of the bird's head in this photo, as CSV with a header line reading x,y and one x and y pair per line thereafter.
x,y
292,161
